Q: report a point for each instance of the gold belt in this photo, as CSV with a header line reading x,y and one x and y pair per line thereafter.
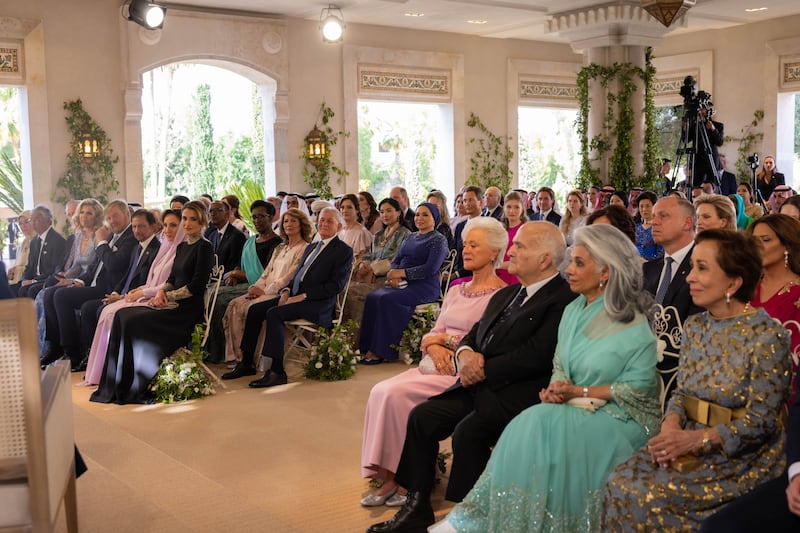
x,y
710,414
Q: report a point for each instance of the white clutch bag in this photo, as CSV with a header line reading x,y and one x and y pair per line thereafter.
x,y
590,404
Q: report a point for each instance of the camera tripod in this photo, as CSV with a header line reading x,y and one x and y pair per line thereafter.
x,y
688,146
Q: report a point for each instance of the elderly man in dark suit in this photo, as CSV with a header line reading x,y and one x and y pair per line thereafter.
x,y
773,506
227,239
504,361
115,241
311,295
47,253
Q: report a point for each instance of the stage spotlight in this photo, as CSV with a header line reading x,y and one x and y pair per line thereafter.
x,y
146,14
331,21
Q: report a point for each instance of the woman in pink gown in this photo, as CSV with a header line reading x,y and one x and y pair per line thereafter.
x,y
391,400
159,271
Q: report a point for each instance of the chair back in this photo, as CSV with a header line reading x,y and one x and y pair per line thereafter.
x,y
668,329
36,433
212,290
446,272
341,298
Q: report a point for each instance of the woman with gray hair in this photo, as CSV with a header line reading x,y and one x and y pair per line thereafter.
x,y
391,400
549,467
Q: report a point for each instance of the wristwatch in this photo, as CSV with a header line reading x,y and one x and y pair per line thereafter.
x,y
586,392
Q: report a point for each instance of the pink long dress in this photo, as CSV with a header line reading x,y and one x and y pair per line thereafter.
x,y
391,400
159,271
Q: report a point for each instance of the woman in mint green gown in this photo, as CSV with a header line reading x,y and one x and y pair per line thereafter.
x,y
549,468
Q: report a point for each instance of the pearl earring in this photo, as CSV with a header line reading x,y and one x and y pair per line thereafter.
x,y
786,259
727,298
602,283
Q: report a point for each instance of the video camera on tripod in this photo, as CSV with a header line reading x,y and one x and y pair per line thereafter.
x,y
694,142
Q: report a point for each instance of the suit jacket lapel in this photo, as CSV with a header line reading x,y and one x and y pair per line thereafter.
x,y
679,279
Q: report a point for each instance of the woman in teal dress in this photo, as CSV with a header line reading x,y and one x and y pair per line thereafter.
x,y
723,431
549,468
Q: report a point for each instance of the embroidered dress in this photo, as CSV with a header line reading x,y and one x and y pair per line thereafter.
x,y
733,362
647,247
549,468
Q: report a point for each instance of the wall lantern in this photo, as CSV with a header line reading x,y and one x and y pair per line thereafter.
x,y
316,146
666,11
88,143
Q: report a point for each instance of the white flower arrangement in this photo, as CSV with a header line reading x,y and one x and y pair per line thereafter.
x,y
419,325
333,356
181,376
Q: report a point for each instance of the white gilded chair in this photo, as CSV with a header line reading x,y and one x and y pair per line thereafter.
x,y
37,450
445,273
668,330
302,332
210,301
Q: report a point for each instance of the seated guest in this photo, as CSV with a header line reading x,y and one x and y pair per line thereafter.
x,y
368,208
615,216
115,242
714,212
504,360
232,201
47,252
648,249
545,200
412,280
791,207
157,273
225,238
142,336
575,215
493,203
778,290
295,200
370,272
619,198
471,201
513,218
742,220
778,197
550,466
391,400
438,199
23,250
178,201
773,506
460,213
723,432
256,253
353,233
295,233
752,208
311,294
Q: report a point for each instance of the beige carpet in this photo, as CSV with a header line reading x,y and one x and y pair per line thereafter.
x,y
280,460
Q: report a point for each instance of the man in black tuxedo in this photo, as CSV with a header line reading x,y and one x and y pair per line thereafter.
x,y
545,199
227,239
311,295
674,220
773,506
494,203
471,200
47,253
504,361
115,241
401,196
727,180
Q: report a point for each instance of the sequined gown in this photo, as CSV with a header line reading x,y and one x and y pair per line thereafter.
x,y
549,467
735,362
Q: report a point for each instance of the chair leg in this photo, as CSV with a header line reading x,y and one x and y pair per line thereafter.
x,y
71,504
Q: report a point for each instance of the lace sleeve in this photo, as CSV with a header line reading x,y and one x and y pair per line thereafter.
x,y
638,404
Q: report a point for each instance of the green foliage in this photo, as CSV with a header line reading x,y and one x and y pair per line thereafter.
x,y
668,127
248,191
317,174
411,341
333,356
203,157
86,177
489,164
182,376
748,144
258,134
10,183
618,125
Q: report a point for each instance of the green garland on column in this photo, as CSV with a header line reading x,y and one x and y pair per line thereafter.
x,y
618,125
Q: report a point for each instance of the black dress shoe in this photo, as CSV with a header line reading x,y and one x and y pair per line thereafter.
x,y
413,517
239,371
270,379
81,367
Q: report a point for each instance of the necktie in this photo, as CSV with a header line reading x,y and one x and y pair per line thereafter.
x,y
302,272
666,280
132,270
39,255
507,313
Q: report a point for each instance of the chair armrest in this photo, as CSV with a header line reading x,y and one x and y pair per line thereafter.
x,y
52,377
59,434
